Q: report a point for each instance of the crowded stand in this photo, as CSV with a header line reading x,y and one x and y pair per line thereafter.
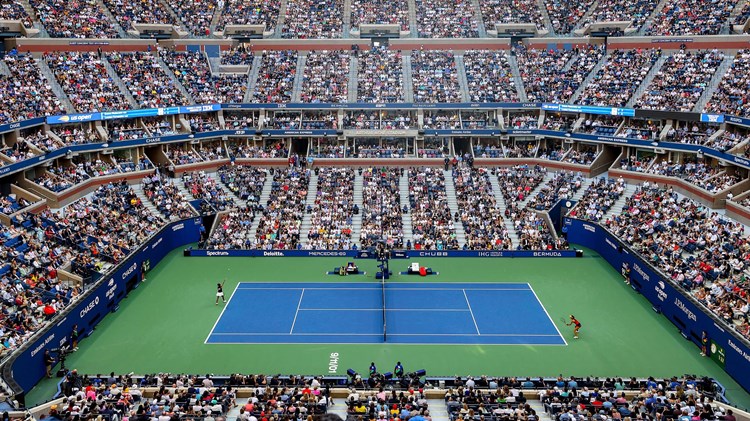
x,y
74,19
477,120
519,149
18,152
717,183
517,182
237,56
12,203
533,232
326,77
488,151
52,182
559,122
119,130
697,173
105,226
167,198
382,13
313,19
276,78
240,121
379,148
278,149
319,120
204,187
680,82
480,216
691,17
554,152
203,123
566,15
195,15
233,231
732,96
32,98
158,126
76,134
11,10
283,213
257,12
146,80
31,291
521,121
600,125
699,249
618,79
442,120
244,181
85,81
128,13
695,133
432,222
636,163
598,198
325,148
433,148
511,11
381,208
584,155
446,19
639,129
728,140
179,156
379,75
637,12
127,164
284,120
489,76
211,151
194,73
332,211
542,71
562,185
434,77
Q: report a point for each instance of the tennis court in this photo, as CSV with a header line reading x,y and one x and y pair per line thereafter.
x,y
394,313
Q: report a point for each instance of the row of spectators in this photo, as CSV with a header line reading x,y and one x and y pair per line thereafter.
x,y
432,222
166,197
204,187
313,19
26,93
622,10
691,17
549,75
731,96
382,13
332,210
598,198
146,80
561,186
489,76
256,12
680,82
381,208
481,217
446,19
618,79
196,16
86,82
128,13
283,212
326,77
511,11
194,73
276,77
379,75
74,19
434,77
272,150
378,120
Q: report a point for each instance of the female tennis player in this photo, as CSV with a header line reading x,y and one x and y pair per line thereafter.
x,y
576,323
220,292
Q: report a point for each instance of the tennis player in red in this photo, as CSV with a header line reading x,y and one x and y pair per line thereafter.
x,y
576,323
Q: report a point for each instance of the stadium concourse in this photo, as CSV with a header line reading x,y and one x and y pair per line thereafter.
x,y
451,129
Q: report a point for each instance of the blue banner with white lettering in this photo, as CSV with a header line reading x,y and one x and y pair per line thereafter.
x,y
401,254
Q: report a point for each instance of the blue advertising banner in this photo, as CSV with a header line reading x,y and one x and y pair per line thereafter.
x,y
677,305
569,108
737,120
401,254
5,128
27,365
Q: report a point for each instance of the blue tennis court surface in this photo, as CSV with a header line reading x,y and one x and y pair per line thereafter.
x,y
416,313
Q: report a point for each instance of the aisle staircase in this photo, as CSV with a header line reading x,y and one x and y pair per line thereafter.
x,y
299,76
450,194
408,81
252,78
264,196
715,80
120,84
56,88
647,80
403,187
358,199
462,81
312,192
353,71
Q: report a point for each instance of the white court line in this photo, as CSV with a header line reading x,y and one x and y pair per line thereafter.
x,y
297,312
547,313
390,334
221,314
387,309
472,313
388,287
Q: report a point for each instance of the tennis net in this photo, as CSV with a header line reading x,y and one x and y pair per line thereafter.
x,y
385,329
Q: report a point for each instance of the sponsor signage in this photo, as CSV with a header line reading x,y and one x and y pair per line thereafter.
x,y
395,254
